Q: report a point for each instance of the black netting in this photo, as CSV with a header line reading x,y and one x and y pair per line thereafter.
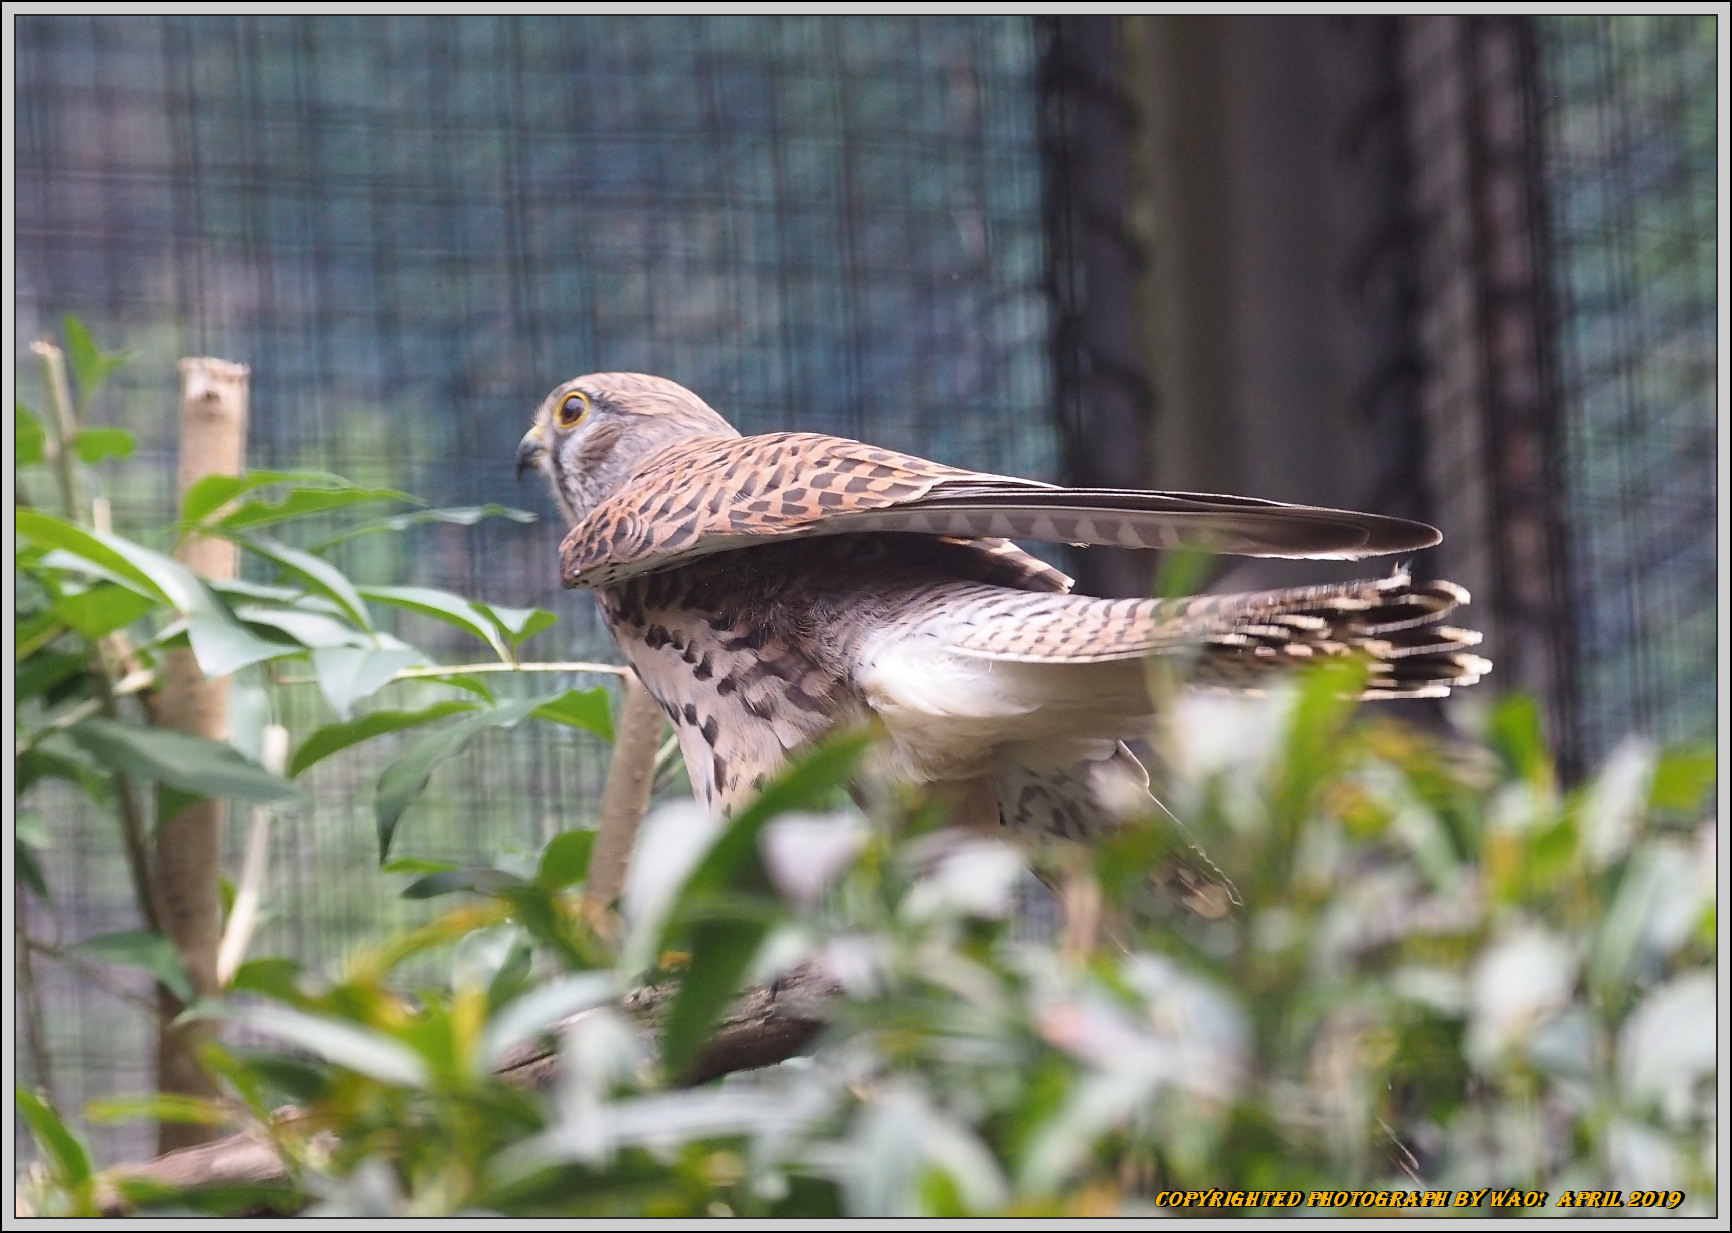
x,y
411,228
1631,124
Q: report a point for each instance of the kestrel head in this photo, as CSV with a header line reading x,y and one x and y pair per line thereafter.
x,y
591,433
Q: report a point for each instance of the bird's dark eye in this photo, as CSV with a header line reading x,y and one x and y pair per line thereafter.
x,y
573,409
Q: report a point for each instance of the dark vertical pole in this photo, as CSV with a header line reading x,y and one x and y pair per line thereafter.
x,y
1093,263
1494,408
1523,439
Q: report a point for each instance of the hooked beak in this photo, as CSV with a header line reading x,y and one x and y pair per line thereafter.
x,y
529,451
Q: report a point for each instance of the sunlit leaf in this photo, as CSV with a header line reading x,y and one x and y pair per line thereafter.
x,y
580,708
1684,777
273,976
71,1163
95,445
30,440
185,761
333,738
140,948
158,1107
103,608
362,1050
565,860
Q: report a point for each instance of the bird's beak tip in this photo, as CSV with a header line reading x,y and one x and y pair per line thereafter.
x,y
529,452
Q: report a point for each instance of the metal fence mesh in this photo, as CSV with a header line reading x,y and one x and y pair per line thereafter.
x,y
1631,124
411,228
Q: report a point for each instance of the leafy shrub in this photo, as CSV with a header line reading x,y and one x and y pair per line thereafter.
x,y
1443,973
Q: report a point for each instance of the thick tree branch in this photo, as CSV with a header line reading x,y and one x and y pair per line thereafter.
x,y
768,1024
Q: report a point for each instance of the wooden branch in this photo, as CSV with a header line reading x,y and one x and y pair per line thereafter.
x,y
768,1024
624,800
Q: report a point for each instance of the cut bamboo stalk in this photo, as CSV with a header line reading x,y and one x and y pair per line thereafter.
x,y
188,865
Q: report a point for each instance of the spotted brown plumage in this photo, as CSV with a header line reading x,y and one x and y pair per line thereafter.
x,y
769,588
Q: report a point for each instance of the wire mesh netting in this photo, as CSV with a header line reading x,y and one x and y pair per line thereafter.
x,y
411,228
1631,123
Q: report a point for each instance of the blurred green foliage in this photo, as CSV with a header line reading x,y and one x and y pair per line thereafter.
x,y
1443,973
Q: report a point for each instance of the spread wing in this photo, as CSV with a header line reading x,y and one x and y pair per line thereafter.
x,y
714,494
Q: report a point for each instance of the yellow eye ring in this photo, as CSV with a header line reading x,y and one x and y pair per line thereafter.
x,y
573,409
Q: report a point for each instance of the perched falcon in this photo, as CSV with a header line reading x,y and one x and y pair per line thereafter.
x,y
768,588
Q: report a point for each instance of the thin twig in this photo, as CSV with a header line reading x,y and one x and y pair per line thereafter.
x,y
94,972
105,675
132,683
35,1035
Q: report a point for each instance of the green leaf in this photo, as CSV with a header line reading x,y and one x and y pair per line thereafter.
x,y
182,760
348,1045
565,860
478,879
470,682
404,779
150,573
103,608
518,624
348,674
140,948
96,444
309,628
1517,733
212,492
416,864
332,738
1683,777
157,1107
532,1015
317,573
27,869
56,756
722,951
463,516
273,977
41,673
222,645
66,1155
724,941
29,438
580,708
91,365
453,610
302,502
240,589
